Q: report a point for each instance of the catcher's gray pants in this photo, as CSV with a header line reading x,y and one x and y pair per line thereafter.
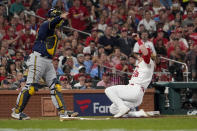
x,y
40,67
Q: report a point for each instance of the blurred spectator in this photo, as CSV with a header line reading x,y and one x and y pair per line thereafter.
x,y
157,6
166,3
115,57
175,44
99,51
160,37
74,45
82,70
104,59
91,49
147,43
11,67
106,82
88,63
91,38
132,20
4,61
43,10
141,28
148,23
59,71
3,73
189,19
96,71
88,84
10,78
176,6
81,83
65,83
18,78
33,23
28,33
124,66
78,15
17,7
179,34
176,69
160,47
67,69
107,40
177,18
80,60
74,70
102,25
64,2
125,44
191,60
66,54
79,48
19,65
132,61
195,24
76,36
5,84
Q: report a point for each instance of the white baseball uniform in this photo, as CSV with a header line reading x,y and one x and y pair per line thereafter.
x,y
131,95
148,44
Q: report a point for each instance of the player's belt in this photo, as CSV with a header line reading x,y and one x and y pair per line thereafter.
x,y
143,89
39,54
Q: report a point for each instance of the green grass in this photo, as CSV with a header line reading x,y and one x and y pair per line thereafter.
x,y
165,123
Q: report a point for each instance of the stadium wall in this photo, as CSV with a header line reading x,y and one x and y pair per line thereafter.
x,y
41,105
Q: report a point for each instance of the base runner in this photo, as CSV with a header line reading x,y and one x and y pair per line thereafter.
x,y
126,97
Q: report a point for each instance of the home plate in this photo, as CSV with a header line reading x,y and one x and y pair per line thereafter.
x,y
80,118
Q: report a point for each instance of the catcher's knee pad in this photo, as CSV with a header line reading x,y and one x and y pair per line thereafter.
x,y
56,85
31,90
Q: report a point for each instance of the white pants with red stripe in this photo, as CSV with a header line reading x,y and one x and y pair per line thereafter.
x,y
124,95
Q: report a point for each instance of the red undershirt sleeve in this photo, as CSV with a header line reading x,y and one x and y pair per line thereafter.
x,y
146,58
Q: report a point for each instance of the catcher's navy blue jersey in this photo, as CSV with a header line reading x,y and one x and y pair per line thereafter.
x,y
46,31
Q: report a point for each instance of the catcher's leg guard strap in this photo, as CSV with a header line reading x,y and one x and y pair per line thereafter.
x,y
56,96
23,98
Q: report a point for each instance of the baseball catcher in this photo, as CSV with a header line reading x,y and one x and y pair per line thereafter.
x,y
40,66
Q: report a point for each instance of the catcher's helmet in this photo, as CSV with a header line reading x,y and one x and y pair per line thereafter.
x,y
53,13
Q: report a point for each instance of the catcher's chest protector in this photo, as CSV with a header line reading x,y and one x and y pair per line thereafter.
x,y
51,44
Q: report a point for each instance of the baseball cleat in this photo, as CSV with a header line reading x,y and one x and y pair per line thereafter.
x,y
68,115
123,110
19,116
72,114
143,113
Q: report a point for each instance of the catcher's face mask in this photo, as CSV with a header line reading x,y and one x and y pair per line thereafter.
x,y
54,13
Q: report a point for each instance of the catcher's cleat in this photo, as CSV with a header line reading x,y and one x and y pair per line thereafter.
x,y
19,116
68,115
72,114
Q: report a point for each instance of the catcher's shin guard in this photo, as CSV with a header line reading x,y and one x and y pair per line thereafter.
x,y
57,98
23,98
